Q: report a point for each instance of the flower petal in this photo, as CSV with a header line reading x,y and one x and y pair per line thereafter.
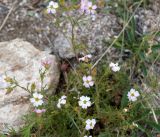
x,y
84,78
89,78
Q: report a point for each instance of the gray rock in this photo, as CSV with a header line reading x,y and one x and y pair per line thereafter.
x,y
88,33
93,33
148,19
21,60
3,9
63,47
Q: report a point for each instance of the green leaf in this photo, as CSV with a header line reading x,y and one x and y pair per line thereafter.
x,y
155,47
133,29
154,125
9,90
144,69
118,45
143,115
157,112
142,56
26,131
124,101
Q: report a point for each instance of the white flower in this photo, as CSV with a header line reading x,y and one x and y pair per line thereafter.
x,y
82,59
84,102
61,101
89,56
87,81
90,123
85,58
91,9
51,8
37,99
114,67
3,83
133,94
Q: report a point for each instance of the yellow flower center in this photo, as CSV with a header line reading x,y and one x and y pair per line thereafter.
x,y
87,81
90,8
132,94
36,99
84,101
51,7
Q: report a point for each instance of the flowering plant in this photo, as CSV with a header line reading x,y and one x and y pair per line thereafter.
x,y
92,100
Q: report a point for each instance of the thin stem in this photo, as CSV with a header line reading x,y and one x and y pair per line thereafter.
x,y
23,88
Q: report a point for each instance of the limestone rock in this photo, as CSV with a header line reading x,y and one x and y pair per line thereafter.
x,y
21,60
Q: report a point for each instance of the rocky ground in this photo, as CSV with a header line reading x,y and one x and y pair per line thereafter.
x,y
29,21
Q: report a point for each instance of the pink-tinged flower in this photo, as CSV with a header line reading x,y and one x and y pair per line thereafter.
x,y
39,111
91,9
84,4
87,81
87,7
46,63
